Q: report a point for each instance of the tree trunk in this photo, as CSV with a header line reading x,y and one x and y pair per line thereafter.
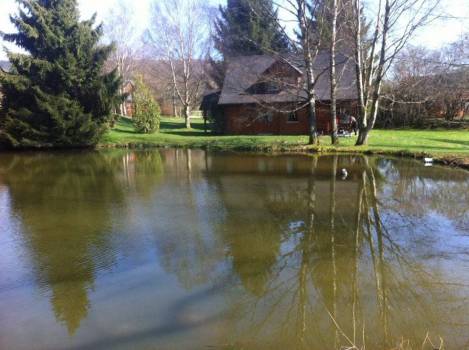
x,y
122,104
313,134
187,116
371,118
173,101
359,56
308,60
334,134
122,109
369,122
359,70
362,137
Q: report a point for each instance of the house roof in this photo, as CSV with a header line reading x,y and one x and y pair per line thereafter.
x,y
5,65
245,71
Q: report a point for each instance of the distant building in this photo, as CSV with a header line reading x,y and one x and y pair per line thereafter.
x,y
5,66
157,76
128,105
443,95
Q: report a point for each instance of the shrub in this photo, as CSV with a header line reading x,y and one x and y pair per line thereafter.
x,y
146,116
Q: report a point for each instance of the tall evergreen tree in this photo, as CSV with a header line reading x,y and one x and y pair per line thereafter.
x,y
249,27
56,95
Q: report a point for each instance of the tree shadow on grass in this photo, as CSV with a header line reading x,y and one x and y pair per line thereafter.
x,y
175,127
188,133
178,128
455,142
124,131
125,126
416,148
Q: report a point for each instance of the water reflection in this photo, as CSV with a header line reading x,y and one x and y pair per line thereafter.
x,y
65,226
341,270
66,206
267,252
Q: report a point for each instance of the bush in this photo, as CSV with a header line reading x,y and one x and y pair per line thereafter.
x,y
146,116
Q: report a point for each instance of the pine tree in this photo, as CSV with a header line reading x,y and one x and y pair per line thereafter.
x,y
249,27
344,25
56,95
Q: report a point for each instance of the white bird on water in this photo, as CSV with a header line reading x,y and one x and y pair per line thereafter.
x,y
344,173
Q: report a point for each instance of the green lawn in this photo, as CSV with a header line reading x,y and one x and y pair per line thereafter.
x,y
438,143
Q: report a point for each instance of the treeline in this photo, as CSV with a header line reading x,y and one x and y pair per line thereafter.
x,y
428,85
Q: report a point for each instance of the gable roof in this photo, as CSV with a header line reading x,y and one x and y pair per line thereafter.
x,y
5,65
245,71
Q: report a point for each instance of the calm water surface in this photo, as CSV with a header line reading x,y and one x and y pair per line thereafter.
x,y
180,249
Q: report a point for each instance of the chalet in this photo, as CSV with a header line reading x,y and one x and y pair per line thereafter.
x,y
451,95
263,94
5,66
128,106
453,105
157,76
445,96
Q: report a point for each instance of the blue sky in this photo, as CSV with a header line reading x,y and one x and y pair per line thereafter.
x,y
434,36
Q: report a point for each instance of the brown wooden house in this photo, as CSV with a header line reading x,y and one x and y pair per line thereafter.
x,y
262,94
4,66
127,107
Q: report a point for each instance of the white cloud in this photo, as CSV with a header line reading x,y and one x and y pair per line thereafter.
x,y
448,29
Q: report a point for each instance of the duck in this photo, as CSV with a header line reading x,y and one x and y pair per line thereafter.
x,y
344,173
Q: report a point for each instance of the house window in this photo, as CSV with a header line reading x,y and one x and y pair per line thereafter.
x,y
293,117
272,88
264,88
266,117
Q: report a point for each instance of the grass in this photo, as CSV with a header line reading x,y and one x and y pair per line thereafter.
x,y
446,145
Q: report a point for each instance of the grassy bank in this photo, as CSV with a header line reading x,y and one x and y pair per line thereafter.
x,y
449,146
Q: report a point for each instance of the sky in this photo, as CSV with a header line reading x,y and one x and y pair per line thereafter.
x,y
434,36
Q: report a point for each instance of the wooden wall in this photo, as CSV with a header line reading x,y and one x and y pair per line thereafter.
x,y
250,120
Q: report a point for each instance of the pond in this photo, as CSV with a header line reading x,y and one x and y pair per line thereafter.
x,y
186,249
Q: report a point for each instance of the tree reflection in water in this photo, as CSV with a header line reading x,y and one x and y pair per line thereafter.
x,y
323,264
67,206
54,196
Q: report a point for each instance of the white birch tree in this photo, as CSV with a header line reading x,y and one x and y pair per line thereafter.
x,y
395,23
333,72
120,29
180,36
